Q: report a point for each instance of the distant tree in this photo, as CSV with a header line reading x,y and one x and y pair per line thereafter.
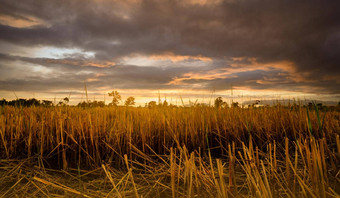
x,y
130,101
219,102
152,104
99,103
91,104
116,98
26,102
310,105
254,104
165,103
33,102
235,104
319,105
82,104
66,100
47,103
3,102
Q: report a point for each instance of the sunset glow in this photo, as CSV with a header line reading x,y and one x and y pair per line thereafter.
x,y
160,48
170,98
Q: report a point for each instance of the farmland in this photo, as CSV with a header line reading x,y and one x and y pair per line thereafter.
x,y
197,151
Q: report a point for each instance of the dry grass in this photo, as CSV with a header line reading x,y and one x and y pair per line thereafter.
x,y
169,152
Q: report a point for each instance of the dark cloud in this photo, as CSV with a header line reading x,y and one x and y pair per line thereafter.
x,y
306,33
73,73
76,73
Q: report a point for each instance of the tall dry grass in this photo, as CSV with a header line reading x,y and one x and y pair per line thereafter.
x,y
174,152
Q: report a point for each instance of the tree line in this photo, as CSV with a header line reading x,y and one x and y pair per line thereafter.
x,y
130,101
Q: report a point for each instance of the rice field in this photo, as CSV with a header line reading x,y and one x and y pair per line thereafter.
x,y
198,151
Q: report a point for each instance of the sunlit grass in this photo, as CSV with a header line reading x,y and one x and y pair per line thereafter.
x,y
169,151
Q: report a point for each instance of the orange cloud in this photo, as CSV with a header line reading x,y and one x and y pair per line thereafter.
x,y
176,58
82,63
252,62
96,78
208,75
102,64
204,2
20,23
286,66
245,64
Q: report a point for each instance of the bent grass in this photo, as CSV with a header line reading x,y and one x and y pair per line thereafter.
x,y
170,152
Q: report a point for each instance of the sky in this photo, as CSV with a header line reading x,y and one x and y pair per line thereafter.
x,y
189,49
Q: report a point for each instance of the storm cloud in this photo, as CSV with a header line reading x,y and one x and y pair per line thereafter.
x,y
147,44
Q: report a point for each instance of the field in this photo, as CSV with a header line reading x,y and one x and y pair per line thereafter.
x,y
280,151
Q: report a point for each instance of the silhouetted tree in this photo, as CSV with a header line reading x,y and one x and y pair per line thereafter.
x,y
24,102
219,102
235,104
66,100
116,98
91,104
152,104
47,103
310,105
3,102
130,101
98,104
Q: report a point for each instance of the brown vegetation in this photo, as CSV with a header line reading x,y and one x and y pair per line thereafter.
x,y
169,151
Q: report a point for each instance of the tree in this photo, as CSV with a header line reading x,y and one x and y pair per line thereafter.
x,y
66,100
3,102
116,98
235,104
91,104
98,104
152,104
219,102
47,103
130,101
